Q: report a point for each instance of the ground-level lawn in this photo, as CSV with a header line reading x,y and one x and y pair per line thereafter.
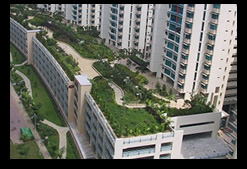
x,y
33,152
16,56
42,95
72,152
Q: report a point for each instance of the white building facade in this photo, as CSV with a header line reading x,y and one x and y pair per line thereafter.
x,y
192,46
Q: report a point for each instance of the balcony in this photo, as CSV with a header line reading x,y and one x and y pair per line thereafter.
x,y
139,12
187,41
183,71
205,81
207,72
180,90
191,9
188,30
210,52
120,33
216,10
212,42
215,21
120,19
181,80
189,19
208,62
119,40
186,51
203,90
184,61
138,20
212,31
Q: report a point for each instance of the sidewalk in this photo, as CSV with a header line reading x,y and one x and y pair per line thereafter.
x,y
27,82
28,121
62,135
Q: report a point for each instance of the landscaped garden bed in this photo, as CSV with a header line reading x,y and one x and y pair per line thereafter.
x,y
124,121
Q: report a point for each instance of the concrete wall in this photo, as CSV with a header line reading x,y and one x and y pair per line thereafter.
x,y
192,120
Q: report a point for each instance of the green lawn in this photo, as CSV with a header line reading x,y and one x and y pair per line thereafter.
x,y
42,95
72,152
17,57
32,154
124,121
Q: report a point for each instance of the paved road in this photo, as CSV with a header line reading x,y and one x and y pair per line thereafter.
x,y
62,135
28,121
16,120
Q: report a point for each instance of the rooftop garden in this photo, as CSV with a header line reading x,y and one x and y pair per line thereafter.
x,y
131,82
67,62
124,121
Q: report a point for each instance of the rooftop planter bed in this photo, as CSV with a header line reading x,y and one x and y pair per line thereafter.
x,y
129,81
125,122
83,42
67,62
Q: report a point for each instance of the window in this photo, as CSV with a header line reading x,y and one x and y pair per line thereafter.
x,y
169,54
188,25
170,45
171,36
190,14
217,6
215,16
167,71
168,63
213,26
177,39
217,89
211,37
204,15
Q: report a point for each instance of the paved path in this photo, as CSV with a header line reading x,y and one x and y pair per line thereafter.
x,y
84,64
119,95
62,135
23,63
27,82
11,59
28,121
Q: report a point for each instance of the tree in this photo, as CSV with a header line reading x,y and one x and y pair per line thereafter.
x,y
157,86
24,137
59,153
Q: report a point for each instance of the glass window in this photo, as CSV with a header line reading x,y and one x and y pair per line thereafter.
x,y
167,71
173,18
187,36
209,47
191,5
170,45
216,6
169,54
186,46
208,57
177,39
211,37
172,27
185,57
213,27
175,57
168,63
171,36
190,14
215,16
188,25
176,48
173,75
173,66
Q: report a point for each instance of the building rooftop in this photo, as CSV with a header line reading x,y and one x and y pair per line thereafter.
x,y
204,148
83,80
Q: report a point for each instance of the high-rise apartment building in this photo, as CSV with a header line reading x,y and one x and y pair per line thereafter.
x,y
52,7
124,25
191,47
84,14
